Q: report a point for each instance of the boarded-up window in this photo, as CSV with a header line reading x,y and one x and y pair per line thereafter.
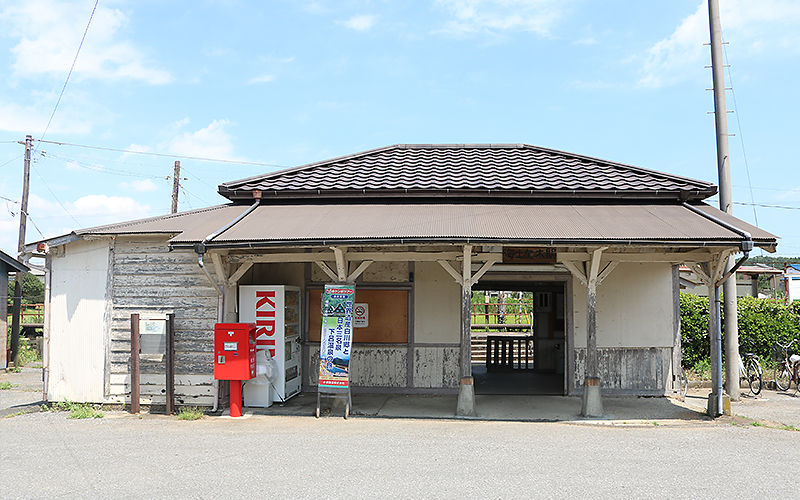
x,y
388,316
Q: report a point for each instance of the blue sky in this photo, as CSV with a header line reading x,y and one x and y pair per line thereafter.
x,y
283,83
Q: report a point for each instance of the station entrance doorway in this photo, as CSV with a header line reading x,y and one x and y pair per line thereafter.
x,y
518,339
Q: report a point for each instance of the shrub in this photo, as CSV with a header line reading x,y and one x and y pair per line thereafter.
x,y
762,323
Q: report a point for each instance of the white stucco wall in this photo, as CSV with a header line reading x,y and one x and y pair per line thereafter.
x,y
634,307
437,305
78,321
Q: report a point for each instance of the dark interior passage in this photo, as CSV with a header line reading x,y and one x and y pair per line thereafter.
x,y
518,338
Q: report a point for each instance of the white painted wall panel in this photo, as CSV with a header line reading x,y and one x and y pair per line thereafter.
x,y
634,307
437,305
77,314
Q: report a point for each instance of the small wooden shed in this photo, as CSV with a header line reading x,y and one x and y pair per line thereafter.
x,y
8,265
416,228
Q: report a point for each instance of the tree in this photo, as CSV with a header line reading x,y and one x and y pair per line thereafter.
x,y
32,289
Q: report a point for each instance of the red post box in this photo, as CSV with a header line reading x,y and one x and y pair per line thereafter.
x,y
235,358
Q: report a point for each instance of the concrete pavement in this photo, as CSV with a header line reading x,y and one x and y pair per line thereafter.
x,y
772,408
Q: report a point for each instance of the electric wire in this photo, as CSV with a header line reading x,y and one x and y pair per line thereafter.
x,y
54,195
74,61
100,169
165,155
739,126
12,159
34,224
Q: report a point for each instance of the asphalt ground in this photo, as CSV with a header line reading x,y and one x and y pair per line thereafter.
x,y
123,456
643,448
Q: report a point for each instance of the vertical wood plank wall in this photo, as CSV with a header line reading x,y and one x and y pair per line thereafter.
x,y
387,367
151,281
633,371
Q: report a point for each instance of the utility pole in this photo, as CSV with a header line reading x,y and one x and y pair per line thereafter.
x,y
176,176
731,326
23,221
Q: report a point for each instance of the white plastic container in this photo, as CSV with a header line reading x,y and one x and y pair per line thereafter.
x,y
257,393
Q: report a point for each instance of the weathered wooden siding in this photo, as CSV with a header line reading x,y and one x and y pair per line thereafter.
x,y
436,367
628,370
370,366
151,281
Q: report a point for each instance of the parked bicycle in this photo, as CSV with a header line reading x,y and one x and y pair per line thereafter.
x,y
787,369
750,369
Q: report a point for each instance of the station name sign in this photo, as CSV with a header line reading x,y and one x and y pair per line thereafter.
x,y
529,255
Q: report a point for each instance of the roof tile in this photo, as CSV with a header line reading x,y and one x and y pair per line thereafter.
x,y
503,169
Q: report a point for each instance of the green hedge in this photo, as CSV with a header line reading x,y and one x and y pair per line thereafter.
x,y
762,323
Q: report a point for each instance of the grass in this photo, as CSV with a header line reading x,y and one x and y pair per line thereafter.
x,y
77,410
23,412
190,413
5,386
700,371
27,355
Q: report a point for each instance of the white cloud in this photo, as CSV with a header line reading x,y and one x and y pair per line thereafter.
x,y
316,8
210,142
140,186
25,119
753,28
360,23
585,41
790,195
73,166
135,148
262,79
96,204
50,32
497,16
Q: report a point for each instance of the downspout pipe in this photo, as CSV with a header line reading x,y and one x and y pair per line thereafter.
x,y
200,249
746,246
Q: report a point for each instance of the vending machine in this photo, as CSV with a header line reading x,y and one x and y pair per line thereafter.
x,y
275,310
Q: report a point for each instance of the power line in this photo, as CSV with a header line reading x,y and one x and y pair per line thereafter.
x,y
741,135
12,159
164,155
100,169
55,197
764,205
64,88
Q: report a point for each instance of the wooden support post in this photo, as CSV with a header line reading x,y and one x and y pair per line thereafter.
x,y
591,332
466,391
466,309
15,320
170,361
134,363
592,400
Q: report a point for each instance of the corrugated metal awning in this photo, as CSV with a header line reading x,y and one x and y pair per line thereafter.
x,y
634,224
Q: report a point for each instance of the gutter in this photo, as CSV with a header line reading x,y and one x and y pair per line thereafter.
x,y
746,245
200,249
